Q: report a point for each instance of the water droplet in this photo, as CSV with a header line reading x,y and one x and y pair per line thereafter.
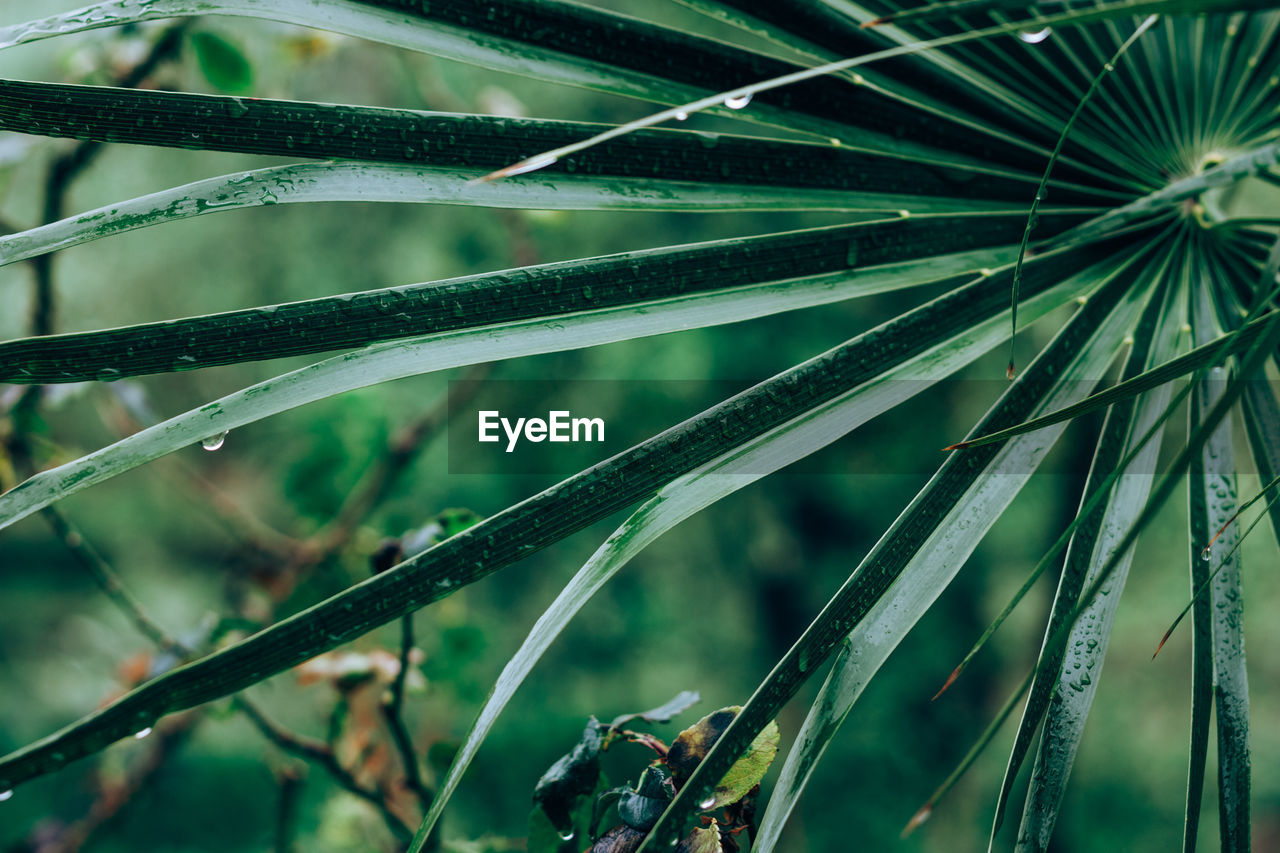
x,y
140,735
709,802
236,108
4,795
1207,553
211,443
737,103
1035,36
566,835
682,115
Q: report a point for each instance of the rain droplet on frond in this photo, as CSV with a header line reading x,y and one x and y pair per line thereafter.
x,y
738,102
214,442
1035,36
140,735
4,795
1207,553
708,803
682,115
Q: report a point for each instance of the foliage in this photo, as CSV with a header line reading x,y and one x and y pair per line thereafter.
x,y
1067,161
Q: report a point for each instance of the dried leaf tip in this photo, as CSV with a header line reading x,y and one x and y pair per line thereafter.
x,y
916,819
946,685
959,445
529,164
874,22
1010,371
1163,640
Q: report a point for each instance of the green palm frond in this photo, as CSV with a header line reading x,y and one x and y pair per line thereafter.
x,y
1001,156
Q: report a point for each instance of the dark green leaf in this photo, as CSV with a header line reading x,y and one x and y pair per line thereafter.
x,y
664,713
351,320
573,776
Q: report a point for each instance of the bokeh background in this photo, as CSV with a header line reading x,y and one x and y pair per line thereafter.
x,y
197,537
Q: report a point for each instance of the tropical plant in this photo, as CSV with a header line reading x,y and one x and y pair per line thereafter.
x,y
1029,156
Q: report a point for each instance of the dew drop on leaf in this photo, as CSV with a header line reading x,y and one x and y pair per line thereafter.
x,y
737,103
213,442
4,795
1207,553
709,802
140,735
566,835
681,116
1035,36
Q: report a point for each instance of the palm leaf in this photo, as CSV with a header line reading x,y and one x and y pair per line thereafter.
x,y
978,497
830,263
884,565
1065,685
481,550
693,492
1215,478
938,114
567,43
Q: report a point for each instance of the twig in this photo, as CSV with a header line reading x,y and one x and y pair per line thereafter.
x,y
66,168
319,753
109,581
113,797
241,522
393,710
291,782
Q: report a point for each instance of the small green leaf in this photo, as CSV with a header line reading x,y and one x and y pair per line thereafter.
x,y
749,769
222,63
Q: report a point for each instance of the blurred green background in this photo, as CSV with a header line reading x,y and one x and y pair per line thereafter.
x,y
707,608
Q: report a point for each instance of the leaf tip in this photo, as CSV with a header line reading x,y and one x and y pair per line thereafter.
x,y
529,164
917,819
874,22
946,685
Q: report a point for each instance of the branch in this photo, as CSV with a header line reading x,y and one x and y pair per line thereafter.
x,y
109,582
319,753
